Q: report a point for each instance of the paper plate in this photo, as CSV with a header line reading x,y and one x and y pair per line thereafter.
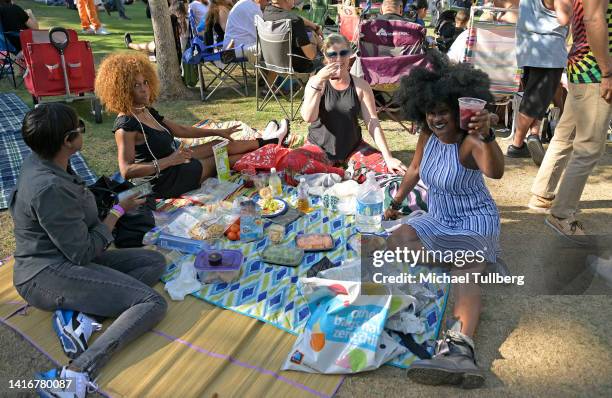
x,y
282,208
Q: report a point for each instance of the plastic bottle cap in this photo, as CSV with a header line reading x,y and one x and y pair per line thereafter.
x,y
302,179
273,170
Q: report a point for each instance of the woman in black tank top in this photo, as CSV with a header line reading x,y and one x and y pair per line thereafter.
x,y
333,101
127,84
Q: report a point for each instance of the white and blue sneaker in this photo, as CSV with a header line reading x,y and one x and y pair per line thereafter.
x,y
73,330
64,383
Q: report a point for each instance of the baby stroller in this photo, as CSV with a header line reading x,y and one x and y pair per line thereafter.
x,y
58,64
445,30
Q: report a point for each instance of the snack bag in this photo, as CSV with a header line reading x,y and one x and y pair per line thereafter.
x,y
345,332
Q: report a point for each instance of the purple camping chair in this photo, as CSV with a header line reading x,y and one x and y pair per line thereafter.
x,y
388,51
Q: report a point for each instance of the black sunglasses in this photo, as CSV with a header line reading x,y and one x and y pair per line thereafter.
x,y
80,129
341,53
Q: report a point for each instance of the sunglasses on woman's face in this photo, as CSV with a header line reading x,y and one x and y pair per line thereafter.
x,y
341,53
80,129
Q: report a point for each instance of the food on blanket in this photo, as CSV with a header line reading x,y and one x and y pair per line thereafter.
x,y
265,193
283,255
234,228
214,231
233,235
317,341
315,242
228,270
270,206
214,259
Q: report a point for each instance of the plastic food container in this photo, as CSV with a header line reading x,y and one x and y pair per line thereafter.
x,y
228,270
282,255
314,242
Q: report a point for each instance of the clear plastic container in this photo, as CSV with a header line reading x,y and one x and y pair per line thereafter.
x,y
228,271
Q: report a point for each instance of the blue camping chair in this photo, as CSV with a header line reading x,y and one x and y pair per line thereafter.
x,y
217,61
8,55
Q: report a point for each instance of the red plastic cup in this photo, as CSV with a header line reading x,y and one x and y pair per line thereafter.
x,y
468,107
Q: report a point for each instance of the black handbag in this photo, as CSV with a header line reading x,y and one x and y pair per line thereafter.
x,y
133,225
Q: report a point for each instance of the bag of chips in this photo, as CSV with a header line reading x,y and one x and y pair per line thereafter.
x,y
345,332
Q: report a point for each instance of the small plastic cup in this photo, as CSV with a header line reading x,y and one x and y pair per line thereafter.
x,y
248,177
260,180
468,107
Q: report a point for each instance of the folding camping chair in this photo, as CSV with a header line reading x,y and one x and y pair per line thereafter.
x,y
8,55
491,47
218,61
388,51
274,54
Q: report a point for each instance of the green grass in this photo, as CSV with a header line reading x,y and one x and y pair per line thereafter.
x,y
99,147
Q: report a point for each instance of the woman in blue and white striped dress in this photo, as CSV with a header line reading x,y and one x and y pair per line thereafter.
x,y
462,216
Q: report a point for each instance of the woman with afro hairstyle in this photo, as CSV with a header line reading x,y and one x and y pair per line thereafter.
x,y
127,84
462,216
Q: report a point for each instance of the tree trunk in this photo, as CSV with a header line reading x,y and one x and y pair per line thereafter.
x,y
168,68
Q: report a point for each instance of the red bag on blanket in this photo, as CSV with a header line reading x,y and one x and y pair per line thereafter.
x,y
308,159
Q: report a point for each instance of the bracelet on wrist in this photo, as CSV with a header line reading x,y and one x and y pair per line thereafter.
x,y
316,88
114,213
117,210
607,75
156,165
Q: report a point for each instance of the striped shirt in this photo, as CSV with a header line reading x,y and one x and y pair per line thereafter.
x,y
582,66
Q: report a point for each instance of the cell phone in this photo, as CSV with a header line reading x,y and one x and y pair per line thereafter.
x,y
140,190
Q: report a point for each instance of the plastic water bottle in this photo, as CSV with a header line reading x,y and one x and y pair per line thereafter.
x,y
370,197
303,201
276,186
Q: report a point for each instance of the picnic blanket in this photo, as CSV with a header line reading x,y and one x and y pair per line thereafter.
x,y
269,293
13,150
198,350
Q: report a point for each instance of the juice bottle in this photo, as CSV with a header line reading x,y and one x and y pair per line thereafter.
x,y
275,183
303,201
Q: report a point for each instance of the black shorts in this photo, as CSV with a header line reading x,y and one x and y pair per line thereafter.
x,y
179,179
540,85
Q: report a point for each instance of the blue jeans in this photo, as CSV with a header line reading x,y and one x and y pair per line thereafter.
x,y
116,284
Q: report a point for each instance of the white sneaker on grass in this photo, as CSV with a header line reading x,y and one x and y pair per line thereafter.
x,y
102,32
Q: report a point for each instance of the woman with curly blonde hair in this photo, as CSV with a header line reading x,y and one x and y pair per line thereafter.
x,y
127,84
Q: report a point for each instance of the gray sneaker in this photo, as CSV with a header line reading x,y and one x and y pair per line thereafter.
x,y
453,364
536,150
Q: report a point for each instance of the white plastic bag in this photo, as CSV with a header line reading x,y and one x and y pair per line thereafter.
x,y
186,282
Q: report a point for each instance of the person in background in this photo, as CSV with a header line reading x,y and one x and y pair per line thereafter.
x,y
240,27
216,21
457,50
541,53
304,47
417,11
61,261
391,10
90,22
180,31
580,137
199,9
118,6
15,19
